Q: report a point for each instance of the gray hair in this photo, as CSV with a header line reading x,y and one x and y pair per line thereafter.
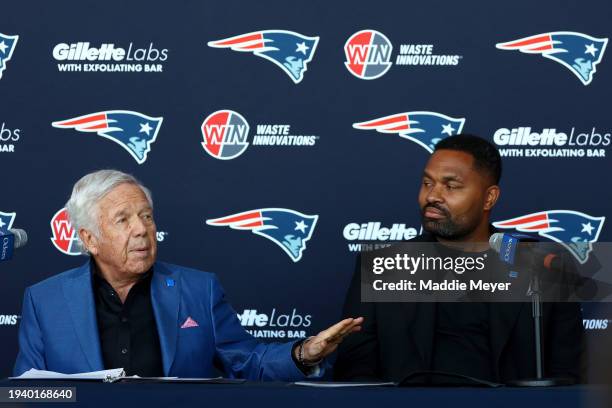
x,y
82,206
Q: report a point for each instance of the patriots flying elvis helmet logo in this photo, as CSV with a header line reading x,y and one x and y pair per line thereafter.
x,y
424,128
287,228
290,51
572,229
7,46
133,131
580,53
6,220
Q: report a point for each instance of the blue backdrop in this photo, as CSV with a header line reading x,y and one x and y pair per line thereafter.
x,y
179,93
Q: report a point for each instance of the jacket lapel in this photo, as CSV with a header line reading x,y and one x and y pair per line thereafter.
x,y
80,300
423,319
423,327
502,320
165,297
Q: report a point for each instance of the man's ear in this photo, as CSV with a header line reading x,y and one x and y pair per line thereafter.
x,y
89,240
491,197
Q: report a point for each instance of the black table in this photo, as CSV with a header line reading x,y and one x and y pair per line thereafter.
x,y
273,395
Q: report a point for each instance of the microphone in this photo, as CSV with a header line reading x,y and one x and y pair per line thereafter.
x,y
529,255
11,240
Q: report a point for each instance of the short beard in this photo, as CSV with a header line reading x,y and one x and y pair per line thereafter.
x,y
447,229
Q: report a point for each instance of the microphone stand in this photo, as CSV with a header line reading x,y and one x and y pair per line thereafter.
x,y
536,312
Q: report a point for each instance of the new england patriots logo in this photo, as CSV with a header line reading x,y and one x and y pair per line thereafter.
x,y
6,220
288,229
580,53
289,50
572,229
424,128
7,46
133,131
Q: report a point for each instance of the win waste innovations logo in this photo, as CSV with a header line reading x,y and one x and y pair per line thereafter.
x,y
369,55
225,135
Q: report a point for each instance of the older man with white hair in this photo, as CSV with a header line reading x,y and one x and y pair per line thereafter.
x,y
125,309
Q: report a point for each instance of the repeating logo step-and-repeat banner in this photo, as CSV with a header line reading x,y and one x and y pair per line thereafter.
x,y
280,139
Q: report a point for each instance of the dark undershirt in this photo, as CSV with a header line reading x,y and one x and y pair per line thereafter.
x,y
462,337
128,331
461,340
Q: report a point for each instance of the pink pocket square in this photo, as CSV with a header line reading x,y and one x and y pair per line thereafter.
x,y
189,322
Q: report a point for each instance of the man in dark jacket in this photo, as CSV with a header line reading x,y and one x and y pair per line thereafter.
x,y
489,341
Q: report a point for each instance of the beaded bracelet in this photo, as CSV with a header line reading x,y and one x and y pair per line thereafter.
x,y
301,354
